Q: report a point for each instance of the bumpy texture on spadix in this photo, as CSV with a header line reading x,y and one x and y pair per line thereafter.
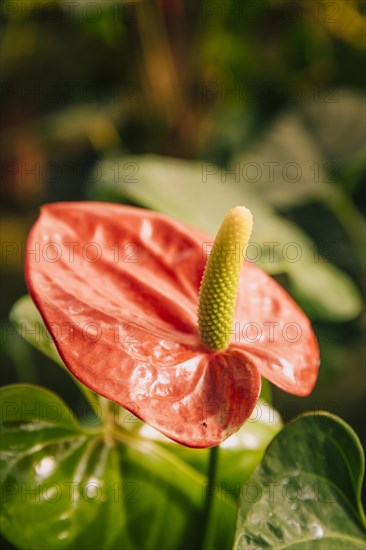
x,y
118,290
219,286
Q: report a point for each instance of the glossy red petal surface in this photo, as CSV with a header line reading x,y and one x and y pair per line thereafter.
x,y
118,289
126,325
276,333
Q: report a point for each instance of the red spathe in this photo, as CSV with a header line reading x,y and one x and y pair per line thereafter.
x,y
118,287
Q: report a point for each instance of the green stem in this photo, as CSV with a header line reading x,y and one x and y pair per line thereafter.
x,y
210,493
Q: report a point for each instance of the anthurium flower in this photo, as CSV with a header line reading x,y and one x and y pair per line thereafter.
x,y
122,292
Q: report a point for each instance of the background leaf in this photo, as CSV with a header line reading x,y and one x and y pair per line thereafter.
x,y
324,292
30,325
307,146
307,491
188,190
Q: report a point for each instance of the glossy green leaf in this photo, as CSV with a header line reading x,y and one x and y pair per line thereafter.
x,y
306,494
66,487
200,193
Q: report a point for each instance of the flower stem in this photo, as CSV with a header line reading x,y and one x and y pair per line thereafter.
x,y
220,281
210,493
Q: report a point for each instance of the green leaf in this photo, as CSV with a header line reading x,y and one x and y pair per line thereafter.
x,y
307,491
305,156
200,194
285,167
324,292
68,487
29,323
299,157
339,132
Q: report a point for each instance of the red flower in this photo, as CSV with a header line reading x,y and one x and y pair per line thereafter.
x,y
118,290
